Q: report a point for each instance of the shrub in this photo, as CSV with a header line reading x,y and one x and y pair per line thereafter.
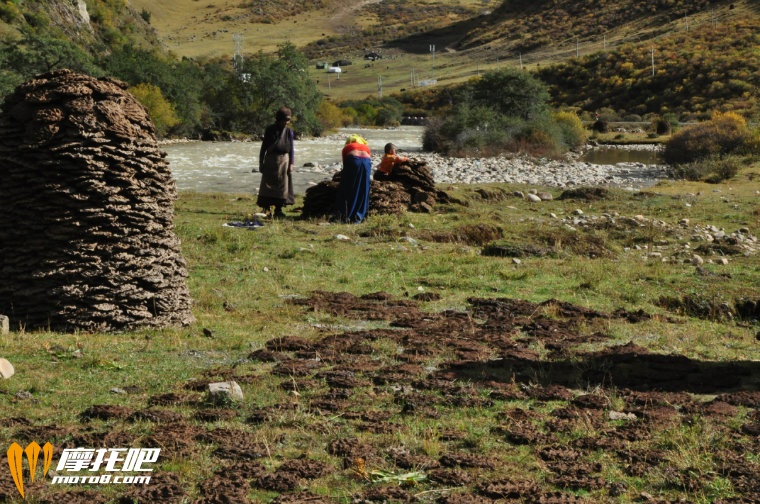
x,y
571,129
9,12
329,115
601,125
661,126
161,111
713,169
723,134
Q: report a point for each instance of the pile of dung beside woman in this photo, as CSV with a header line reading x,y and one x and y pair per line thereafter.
x,y
399,184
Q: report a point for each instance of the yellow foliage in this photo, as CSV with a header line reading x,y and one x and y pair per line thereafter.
x,y
160,110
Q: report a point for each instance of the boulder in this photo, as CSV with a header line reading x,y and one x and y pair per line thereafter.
x,y
223,392
6,369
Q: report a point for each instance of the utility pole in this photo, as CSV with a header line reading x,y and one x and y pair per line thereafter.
x,y
432,51
237,55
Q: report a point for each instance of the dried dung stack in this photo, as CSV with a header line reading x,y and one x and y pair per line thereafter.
x,y
87,235
409,187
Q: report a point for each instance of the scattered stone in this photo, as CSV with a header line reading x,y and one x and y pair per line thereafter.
x,y
545,196
341,237
617,415
696,260
223,392
533,198
516,261
577,211
6,369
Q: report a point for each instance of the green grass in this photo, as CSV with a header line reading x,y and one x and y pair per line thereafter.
x,y
241,282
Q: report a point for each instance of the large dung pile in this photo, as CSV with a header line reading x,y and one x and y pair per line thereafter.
x,y
86,236
409,187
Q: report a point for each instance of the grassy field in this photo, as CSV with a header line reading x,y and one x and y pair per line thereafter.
x,y
595,361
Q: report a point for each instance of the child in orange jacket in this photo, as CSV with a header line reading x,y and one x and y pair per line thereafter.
x,y
390,160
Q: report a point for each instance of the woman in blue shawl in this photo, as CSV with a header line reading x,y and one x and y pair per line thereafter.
x,y
352,203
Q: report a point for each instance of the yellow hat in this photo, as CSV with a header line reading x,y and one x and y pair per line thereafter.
x,y
354,138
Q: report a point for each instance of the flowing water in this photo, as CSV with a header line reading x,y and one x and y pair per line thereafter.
x,y
227,166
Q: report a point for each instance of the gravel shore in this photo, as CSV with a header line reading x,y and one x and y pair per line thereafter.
x,y
520,169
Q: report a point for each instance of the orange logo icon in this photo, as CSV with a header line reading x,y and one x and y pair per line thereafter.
x,y
15,458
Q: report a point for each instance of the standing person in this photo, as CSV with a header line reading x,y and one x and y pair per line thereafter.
x,y
389,161
352,203
276,159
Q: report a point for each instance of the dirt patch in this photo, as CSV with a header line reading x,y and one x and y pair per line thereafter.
x,y
515,250
585,193
426,396
474,234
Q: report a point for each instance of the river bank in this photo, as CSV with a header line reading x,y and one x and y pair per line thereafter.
x,y
231,167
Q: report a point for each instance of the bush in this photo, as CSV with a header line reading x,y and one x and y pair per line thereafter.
x,y
159,108
505,110
713,169
661,126
601,125
330,116
571,129
723,134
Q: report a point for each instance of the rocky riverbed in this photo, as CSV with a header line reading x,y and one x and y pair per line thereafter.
x,y
570,171
231,166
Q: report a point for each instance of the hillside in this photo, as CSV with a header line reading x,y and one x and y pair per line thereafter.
x,y
450,42
92,25
594,53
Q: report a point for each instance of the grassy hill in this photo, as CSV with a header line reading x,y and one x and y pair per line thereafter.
x,y
431,45
470,37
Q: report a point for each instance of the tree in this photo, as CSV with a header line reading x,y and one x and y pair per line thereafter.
x,y
180,82
160,110
512,92
33,54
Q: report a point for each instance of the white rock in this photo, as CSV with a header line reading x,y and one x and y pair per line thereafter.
x,y
6,369
617,415
342,237
533,198
225,391
697,260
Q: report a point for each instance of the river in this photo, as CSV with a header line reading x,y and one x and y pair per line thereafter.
x,y
227,166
